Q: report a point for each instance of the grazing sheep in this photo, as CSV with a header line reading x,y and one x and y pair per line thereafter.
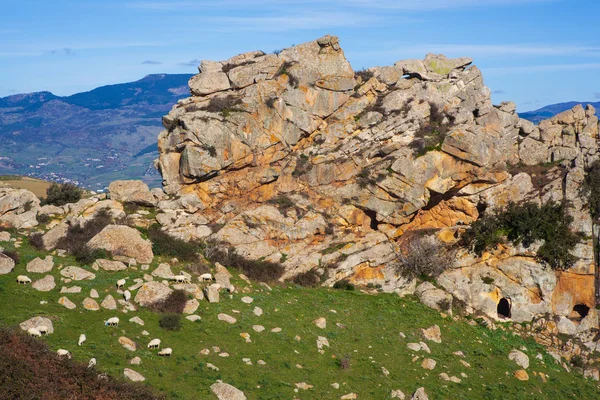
x,y
165,352
82,339
114,321
180,279
127,295
63,352
206,278
92,363
154,344
43,329
34,332
22,279
121,283
231,289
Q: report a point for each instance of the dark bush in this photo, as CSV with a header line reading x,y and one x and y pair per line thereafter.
x,y
35,239
198,268
343,284
303,166
86,255
282,202
75,241
30,370
422,255
61,194
364,74
591,188
172,304
223,104
12,254
577,361
164,244
170,322
307,279
344,362
43,218
525,224
431,135
130,208
258,270
285,70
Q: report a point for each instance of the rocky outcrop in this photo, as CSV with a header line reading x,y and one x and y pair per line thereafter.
x,y
18,208
120,240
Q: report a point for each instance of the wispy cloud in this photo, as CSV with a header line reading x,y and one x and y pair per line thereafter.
x,y
65,51
151,62
191,63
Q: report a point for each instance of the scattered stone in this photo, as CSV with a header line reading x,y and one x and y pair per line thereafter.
x,y
4,236
191,306
432,334
64,301
212,294
212,366
137,320
40,266
90,304
429,364
193,318
276,330
414,346
385,371
163,271
205,352
258,328
520,358
133,376
247,299
258,311
108,265
226,318
125,241
322,342
151,292
223,354
145,333
335,385
246,336
521,375
73,289
94,294
349,396
77,274
45,284
261,362
466,364
135,361
6,264
247,361
304,386
36,322
127,343
397,394
420,394
109,303
320,323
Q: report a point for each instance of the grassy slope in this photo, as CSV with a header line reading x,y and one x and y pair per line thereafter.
x,y
38,187
370,337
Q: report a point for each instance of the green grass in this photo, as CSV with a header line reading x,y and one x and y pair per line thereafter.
x,y
370,337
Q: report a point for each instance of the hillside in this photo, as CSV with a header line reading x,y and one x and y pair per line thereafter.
x,y
90,138
551,110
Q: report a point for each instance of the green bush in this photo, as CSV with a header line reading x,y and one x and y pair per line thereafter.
x,y
525,224
77,237
432,134
164,244
343,284
61,194
172,304
591,188
307,279
170,322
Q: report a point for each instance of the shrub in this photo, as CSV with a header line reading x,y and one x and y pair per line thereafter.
x,y
35,239
258,270
422,256
591,188
30,370
61,194
283,203
344,362
223,104
130,208
364,74
307,279
303,166
577,361
172,304
197,268
525,224
43,218
431,135
170,322
285,70
343,284
86,255
75,241
164,244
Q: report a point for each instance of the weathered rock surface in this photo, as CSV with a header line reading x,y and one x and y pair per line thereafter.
x,y
7,264
45,284
225,391
36,322
40,266
77,273
133,375
151,292
132,192
123,241
108,265
18,208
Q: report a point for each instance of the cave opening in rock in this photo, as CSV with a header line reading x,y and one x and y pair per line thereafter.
x,y
373,217
503,309
580,311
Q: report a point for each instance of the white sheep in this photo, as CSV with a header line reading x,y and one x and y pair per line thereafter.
x,y
205,278
127,295
154,344
114,321
22,279
180,279
92,363
43,329
165,352
82,339
231,289
121,283
63,352
34,332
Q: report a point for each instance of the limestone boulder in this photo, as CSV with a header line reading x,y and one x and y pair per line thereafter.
x,y
40,266
132,191
45,284
7,264
133,375
225,391
77,273
108,265
36,322
123,241
151,292
18,208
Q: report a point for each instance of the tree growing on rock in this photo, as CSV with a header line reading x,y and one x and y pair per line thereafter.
x,y
422,255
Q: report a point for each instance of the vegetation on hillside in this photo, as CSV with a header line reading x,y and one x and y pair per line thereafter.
x,y
60,194
525,224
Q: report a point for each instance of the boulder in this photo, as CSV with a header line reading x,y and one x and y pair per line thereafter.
x,y
420,394
64,301
40,266
519,358
151,292
109,303
127,343
4,236
108,265
77,273
432,333
18,208
45,284
36,322
163,271
6,264
133,375
212,294
225,391
433,297
132,192
90,304
226,318
51,238
208,82
124,241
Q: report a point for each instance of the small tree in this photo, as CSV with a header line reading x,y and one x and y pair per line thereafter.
x,y
61,194
422,255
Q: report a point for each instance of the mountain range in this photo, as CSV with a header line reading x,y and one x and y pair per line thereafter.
x,y
108,133
89,138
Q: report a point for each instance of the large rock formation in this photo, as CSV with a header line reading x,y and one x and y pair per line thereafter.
x,y
295,158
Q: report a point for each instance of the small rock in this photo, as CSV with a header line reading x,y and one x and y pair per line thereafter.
x,y
420,394
226,318
349,396
335,385
134,376
397,394
276,330
246,336
414,346
320,323
45,284
90,304
223,354
322,342
193,318
520,358
135,361
205,352
109,303
127,343
108,265
261,362
212,366
73,289
77,274
36,322
247,361
429,364
212,294
521,375
258,311
258,328
40,266
137,320
64,301
385,371
432,334
247,299
304,386
191,306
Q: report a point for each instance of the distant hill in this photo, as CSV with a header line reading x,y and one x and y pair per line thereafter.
x,y
92,137
553,109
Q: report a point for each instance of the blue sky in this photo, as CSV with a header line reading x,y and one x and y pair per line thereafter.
x,y
533,52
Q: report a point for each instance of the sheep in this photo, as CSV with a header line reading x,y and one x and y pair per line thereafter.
x,y
180,279
206,278
154,344
166,352
33,332
92,363
127,295
114,321
121,283
22,279
63,352
231,289
82,339
43,329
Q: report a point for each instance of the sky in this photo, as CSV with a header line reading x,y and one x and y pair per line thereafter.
x,y
532,52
